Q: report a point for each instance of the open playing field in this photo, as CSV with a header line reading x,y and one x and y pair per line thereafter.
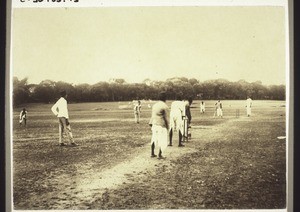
x,y
230,162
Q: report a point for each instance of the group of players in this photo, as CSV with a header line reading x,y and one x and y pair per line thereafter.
x,y
164,123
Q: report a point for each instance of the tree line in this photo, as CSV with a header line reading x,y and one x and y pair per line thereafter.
x,y
47,91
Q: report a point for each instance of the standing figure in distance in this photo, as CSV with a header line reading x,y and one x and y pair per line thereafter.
x,y
248,105
219,108
60,109
137,111
23,117
159,123
202,107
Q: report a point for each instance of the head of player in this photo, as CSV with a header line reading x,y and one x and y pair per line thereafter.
x,y
63,94
162,96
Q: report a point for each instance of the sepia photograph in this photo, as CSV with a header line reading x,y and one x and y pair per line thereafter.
x,y
149,106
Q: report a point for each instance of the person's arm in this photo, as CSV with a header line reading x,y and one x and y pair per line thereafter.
x,y
54,109
166,117
188,114
21,115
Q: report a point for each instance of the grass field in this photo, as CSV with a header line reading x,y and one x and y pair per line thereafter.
x,y
230,162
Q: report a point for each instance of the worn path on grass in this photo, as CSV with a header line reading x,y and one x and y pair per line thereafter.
x,y
88,185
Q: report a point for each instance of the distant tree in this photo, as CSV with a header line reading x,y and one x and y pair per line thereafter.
x,y
21,93
45,92
118,90
82,93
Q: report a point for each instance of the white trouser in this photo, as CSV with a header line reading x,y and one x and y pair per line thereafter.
x,y
137,116
159,137
248,111
23,118
176,122
202,109
219,112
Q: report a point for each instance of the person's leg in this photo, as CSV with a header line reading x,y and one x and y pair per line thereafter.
x,y
163,142
25,121
160,153
69,132
170,137
152,150
180,139
60,131
153,141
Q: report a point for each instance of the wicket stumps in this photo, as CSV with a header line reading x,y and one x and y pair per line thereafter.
x,y
185,129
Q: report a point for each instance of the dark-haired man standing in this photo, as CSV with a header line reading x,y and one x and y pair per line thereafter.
x,y
160,125
60,109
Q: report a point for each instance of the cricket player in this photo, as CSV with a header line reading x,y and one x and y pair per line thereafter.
x,y
60,109
202,107
177,114
137,111
248,106
23,117
159,123
219,108
188,117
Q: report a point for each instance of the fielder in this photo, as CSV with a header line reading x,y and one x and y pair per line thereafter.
x,y
60,109
137,111
177,114
23,117
159,123
219,108
248,106
202,107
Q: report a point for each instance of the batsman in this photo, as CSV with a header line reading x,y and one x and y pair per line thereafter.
x,y
187,119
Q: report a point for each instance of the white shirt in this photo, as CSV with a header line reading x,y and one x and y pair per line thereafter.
x,y
219,105
179,105
23,114
60,108
160,114
137,108
249,102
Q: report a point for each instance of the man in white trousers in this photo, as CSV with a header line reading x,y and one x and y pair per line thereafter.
x,y
202,107
178,110
248,106
159,123
137,111
60,109
23,117
219,108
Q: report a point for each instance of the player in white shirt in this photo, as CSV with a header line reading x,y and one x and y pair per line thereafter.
x,y
202,107
248,106
137,111
23,117
219,108
60,109
178,109
159,123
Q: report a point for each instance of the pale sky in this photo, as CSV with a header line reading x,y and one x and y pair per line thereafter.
x,y
88,45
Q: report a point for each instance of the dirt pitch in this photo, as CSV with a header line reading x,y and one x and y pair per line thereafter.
x,y
230,163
